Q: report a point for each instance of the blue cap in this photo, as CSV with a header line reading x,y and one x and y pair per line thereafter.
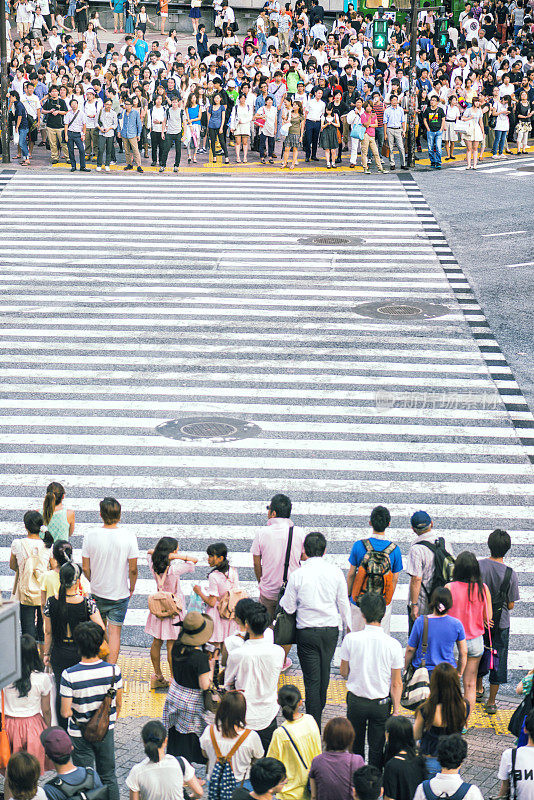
x,y
420,520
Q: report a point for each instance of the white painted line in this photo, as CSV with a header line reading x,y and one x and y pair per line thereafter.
x,y
505,233
524,264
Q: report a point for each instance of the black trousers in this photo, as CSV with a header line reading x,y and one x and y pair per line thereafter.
x,y
315,649
170,140
213,134
369,716
267,734
31,622
311,138
270,142
158,145
62,658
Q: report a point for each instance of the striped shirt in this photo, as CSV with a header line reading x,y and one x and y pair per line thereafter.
x,y
87,685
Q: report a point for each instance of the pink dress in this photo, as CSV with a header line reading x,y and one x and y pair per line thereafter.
x,y
218,585
165,628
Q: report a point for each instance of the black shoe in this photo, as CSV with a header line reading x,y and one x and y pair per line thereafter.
x,y
128,166
161,169
140,169
153,164
405,167
338,161
307,159
72,169
41,144
314,158
85,170
392,166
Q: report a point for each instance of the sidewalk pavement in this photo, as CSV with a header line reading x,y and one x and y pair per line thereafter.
x,y
486,738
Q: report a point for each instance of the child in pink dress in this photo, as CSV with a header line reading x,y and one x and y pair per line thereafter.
x,y
221,579
169,565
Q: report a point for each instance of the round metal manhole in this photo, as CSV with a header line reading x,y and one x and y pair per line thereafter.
x,y
215,429
331,241
401,311
526,168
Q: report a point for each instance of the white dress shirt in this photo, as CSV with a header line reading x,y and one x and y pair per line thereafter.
x,y
316,109
254,669
317,591
371,655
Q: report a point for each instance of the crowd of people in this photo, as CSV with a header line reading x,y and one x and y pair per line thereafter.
x,y
226,653
293,82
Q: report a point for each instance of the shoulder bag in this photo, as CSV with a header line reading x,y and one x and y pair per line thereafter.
x,y
97,727
5,749
297,751
163,604
416,685
285,624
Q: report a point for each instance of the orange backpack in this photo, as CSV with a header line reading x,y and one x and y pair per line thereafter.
x,y
374,575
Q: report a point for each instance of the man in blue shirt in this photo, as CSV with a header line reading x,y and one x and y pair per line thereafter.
x,y
130,132
379,521
58,748
140,46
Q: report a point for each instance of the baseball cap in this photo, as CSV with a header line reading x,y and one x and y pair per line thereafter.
x,y
231,84
56,742
420,520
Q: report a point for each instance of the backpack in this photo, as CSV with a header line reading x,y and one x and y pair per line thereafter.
x,y
374,575
222,781
459,794
443,565
229,600
163,604
500,598
29,581
81,791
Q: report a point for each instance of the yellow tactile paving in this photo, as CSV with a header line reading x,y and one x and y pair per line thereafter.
x,y
141,701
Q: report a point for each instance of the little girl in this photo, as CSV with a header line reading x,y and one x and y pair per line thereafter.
x,y
167,565
221,579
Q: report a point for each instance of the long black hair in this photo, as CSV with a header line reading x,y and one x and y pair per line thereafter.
x,y
220,550
162,551
30,661
153,735
400,738
69,575
467,570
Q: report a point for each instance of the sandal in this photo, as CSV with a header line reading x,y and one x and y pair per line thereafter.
x,y
480,695
158,683
490,709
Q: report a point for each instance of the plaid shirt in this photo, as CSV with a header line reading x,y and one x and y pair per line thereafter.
x,y
184,709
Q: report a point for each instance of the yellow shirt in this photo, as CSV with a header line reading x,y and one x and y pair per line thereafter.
x,y
306,736
50,584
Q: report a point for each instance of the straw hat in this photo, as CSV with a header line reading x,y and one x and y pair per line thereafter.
x,y
197,629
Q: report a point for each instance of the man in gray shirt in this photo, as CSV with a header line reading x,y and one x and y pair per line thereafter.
x,y
173,134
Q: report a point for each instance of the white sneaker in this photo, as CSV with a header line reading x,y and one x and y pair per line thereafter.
x,y
107,169
113,163
99,169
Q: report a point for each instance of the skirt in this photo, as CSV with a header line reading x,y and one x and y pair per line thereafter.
x,y
129,27
222,628
291,140
164,629
328,139
184,710
24,733
449,134
474,133
242,129
186,745
195,13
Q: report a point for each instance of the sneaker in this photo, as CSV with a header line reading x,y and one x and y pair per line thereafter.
x,y
161,169
352,166
127,167
107,169
85,169
175,169
158,683
73,169
405,167
140,169
287,664
112,163
153,164
99,169
367,171
392,166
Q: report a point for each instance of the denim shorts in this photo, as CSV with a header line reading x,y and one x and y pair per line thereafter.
x,y
475,647
112,610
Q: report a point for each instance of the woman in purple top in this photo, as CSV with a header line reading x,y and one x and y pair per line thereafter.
x,y
331,772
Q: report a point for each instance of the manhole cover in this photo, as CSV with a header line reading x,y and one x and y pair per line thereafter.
x,y
526,169
331,241
216,429
399,311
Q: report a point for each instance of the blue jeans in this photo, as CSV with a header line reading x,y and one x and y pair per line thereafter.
x,y
23,142
433,139
432,766
500,141
75,140
100,756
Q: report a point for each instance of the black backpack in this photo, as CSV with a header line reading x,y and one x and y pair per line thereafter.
x,y
499,598
85,790
443,565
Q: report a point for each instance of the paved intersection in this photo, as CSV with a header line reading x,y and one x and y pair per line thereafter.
x,y
128,302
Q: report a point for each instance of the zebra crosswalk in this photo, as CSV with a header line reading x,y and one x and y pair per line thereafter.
x,y
129,302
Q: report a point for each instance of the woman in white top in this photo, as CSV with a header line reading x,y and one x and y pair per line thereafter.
x,y
29,560
452,112
161,776
157,131
475,133
500,109
354,119
240,122
229,730
27,704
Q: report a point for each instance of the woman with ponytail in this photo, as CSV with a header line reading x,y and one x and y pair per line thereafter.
x,y
295,743
60,521
29,562
62,614
445,633
222,577
160,775
61,553
167,566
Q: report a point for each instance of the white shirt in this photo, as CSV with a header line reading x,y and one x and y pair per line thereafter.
x,y
254,669
317,591
74,120
161,781
30,705
371,655
316,109
444,785
237,640
247,751
524,766
109,550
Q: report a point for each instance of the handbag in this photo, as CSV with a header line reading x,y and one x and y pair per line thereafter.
x,y
97,727
490,656
5,747
462,126
163,604
284,130
517,720
285,624
416,684
211,698
358,131
384,151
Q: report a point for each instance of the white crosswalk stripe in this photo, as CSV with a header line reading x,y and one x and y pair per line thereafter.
x,y
127,303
